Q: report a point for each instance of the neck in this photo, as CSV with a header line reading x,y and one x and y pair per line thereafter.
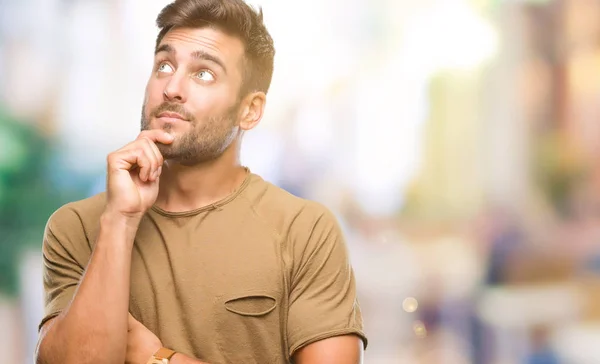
x,y
186,188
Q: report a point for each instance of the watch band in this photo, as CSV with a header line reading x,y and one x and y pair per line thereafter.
x,y
162,356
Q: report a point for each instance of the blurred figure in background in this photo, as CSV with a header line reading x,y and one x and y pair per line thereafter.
x,y
542,351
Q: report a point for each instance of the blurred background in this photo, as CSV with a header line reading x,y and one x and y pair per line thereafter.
x,y
458,142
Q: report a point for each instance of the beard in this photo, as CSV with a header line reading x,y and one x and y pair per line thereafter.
x,y
206,141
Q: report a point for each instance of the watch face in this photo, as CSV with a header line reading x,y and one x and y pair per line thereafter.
x,y
162,356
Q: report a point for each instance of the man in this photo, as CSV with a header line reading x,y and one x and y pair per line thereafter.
x,y
188,257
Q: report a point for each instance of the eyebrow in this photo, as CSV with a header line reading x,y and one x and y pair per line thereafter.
x,y
199,54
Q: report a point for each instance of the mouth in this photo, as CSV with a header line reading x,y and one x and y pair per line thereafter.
x,y
171,116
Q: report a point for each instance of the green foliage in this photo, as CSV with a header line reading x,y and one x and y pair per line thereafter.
x,y
27,195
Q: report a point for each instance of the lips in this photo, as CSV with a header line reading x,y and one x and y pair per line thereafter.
x,y
170,115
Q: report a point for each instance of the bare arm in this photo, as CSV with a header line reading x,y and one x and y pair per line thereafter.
x,y
142,343
95,323
323,299
347,349
93,327
179,358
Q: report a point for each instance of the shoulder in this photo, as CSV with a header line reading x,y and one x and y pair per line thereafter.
x,y
83,210
302,226
76,218
284,211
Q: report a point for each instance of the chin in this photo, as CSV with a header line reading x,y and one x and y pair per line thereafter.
x,y
174,129
166,150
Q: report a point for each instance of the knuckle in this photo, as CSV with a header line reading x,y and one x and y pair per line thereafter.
x,y
111,158
143,141
142,160
147,143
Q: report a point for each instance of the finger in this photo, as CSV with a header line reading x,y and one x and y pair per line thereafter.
x,y
146,162
138,159
130,155
157,136
126,159
158,155
148,146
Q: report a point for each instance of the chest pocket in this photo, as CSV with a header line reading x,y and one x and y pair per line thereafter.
x,y
251,305
249,327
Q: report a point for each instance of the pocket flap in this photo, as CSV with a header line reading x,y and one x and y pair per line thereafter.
x,y
251,305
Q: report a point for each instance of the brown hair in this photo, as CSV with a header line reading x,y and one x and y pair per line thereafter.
x,y
235,18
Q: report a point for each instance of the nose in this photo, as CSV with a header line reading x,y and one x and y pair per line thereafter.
x,y
175,90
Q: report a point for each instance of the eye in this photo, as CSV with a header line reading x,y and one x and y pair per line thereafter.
x,y
164,67
205,76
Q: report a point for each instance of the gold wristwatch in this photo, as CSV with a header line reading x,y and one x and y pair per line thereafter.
x,y
162,356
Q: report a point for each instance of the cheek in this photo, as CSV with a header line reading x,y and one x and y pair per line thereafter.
x,y
149,105
154,92
210,101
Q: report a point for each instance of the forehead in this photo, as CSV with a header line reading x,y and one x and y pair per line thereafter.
x,y
185,41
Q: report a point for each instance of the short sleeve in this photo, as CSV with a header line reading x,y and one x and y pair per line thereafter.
x,y
65,253
323,300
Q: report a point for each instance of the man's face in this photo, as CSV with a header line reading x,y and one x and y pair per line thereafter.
x,y
193,93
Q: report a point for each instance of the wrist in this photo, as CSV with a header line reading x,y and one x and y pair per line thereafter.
x,y
118,225
179,358
161,355
114,219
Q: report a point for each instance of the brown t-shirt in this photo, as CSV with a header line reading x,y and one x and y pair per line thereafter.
x,y
249,279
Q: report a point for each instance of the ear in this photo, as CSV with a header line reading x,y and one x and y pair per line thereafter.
x,y
253,107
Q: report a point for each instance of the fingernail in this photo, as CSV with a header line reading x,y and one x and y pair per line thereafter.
x,y
159,171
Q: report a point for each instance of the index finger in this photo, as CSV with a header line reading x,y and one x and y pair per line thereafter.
x,y
157,136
